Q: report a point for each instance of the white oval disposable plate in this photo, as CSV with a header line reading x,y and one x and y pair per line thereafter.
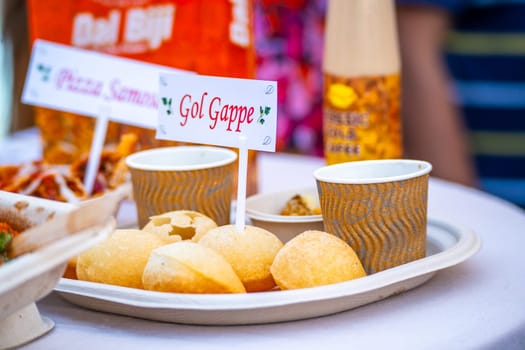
x,y
447,245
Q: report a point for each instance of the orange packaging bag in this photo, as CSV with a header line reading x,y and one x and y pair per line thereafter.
x,y
206,37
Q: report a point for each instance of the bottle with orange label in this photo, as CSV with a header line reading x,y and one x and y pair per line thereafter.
x,y
206,37
361,93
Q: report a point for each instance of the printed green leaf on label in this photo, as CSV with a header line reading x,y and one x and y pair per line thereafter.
x,y
167,102
263,111
44,71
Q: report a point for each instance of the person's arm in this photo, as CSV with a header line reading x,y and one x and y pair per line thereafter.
x,y
432,126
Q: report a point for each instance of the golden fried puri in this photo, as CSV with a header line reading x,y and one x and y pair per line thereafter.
x,y
315,258
188,267
180,224
118,260
250,253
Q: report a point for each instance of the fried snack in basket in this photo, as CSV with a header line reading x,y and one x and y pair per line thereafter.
x,y
8,174
65,183
118,260
315,258
188,267
250,252
41,180
185,224
112,167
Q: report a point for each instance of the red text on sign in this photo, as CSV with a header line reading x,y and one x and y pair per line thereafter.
x,y
191,109
72,82
233,116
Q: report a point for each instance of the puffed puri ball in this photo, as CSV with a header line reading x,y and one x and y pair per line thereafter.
x,y
315,258
187,267
180,224
119,260
250,252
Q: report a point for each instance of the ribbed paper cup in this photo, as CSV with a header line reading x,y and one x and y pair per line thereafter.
x,y
198,178
379,207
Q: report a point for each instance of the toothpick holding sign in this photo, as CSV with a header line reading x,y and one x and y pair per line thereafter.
x,y
97,144
230,112
96,85
241,184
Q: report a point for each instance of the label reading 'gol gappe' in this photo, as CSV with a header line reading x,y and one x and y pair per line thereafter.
x,y
361,118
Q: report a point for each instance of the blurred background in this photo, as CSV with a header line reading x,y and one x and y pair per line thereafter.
x,y
288,43
463,68
14,58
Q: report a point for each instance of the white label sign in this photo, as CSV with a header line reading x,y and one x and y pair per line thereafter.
x,y
216,110
80,81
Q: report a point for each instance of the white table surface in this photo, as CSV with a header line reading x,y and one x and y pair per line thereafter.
x,y
478,304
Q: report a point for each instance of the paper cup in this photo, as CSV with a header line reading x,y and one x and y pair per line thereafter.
x,y
198,178
379,207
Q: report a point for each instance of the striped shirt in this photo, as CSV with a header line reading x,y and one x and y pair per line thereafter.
x,y
486,55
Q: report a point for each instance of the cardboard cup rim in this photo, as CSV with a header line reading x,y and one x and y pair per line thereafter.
x,y
326,173
133,163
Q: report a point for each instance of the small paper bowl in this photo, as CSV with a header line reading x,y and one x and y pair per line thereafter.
x,y
263,211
